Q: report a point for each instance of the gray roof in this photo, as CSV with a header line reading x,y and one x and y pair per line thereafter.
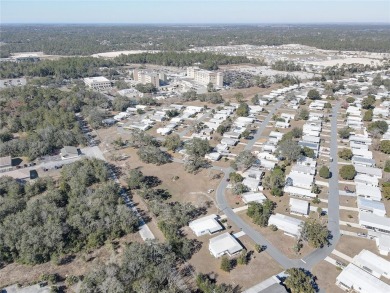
x,y
5,161
69,150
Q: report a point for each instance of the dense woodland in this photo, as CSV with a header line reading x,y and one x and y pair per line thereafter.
x,y
88,39
43,220
44,119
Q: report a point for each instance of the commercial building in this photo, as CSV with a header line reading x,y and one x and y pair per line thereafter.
x,y
290,225
205,225
353,278
224,244
205,77
99,83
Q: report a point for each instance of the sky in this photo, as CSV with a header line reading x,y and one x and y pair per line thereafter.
x,y
190,11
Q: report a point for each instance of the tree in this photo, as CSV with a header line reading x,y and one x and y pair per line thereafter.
x,y
324,172
194,163
328,105
315,233
368,115
134,179
239,97
243,257
350,100
226,264
197,147
255,99
275,179
377,80
345,132
243,110
386,190
240,188
260,213
297,132
289,150
172,142
235,177
308,152
146,88
303,114
347,172
313,94
299,281
210,87
345,154
385,146
386,168
246,133
368,102
378,127
319,211
244,160
153,155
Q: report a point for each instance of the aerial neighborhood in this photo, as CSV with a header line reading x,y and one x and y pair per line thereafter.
x,y
241,167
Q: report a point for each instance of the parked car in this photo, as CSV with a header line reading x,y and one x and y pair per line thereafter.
x,y
362,234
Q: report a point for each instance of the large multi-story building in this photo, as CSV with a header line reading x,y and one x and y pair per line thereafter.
x,y
205,77
145,77
99,83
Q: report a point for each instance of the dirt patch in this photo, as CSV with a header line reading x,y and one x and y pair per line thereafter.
x,y
352,246
349,216
326,274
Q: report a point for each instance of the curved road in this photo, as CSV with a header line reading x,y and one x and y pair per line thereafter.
x,y
333,204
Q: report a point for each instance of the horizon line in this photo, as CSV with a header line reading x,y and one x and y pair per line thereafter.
x,y
192,23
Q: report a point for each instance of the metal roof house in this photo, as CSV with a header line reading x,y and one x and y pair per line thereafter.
x,y
224,244
371,206
374,223
383,244
368,191
353,278
69,152
373,264
299,207
291,226
253,197
299,192
205,225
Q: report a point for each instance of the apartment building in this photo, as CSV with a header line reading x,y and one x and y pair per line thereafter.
x,y
145,77
205,77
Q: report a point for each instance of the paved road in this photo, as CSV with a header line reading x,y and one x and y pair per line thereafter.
x,y
333,205
333,199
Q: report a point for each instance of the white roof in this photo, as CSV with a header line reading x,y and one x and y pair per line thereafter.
x,y
224,243
369,170
300,179
208,223
368,191
367,179
285,223
372,220
96,79
375,207
352,276
373,262
299,191
299,206
253,197
251,183
362,153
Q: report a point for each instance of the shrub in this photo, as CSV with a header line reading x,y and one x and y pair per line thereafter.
x,y
226,264
345,154
387,166
324,172
385,146
347,172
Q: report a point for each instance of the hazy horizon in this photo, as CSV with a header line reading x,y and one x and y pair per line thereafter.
x,y
210,12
